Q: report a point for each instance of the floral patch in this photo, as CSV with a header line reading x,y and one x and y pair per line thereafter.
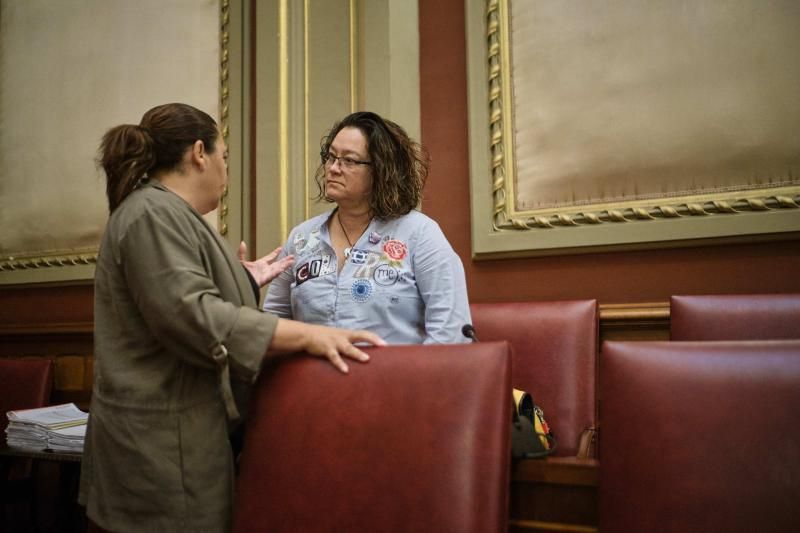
x,y
395,250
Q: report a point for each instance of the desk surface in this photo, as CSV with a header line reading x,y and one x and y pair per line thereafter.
x,y
551,494
47,455
557,470
554,494
53,502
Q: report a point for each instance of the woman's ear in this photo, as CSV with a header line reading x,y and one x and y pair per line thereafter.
x,y
199,154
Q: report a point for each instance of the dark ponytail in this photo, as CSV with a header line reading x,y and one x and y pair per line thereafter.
x,y
128,153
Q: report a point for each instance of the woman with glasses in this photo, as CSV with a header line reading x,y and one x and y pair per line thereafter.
x,y
373,262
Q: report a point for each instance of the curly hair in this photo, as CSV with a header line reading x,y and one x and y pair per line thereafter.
x,y
399,164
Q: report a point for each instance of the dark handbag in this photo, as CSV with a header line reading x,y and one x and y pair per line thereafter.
x,y
531,437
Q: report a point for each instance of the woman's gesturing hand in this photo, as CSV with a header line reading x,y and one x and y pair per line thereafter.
x,y
331,343
265,269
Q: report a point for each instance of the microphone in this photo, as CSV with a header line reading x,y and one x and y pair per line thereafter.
x,y
469,332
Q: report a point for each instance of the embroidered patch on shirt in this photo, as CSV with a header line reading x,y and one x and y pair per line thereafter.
x,y
364,270
313,269
358,257
395,250
328,265
374,237
313,239
385,275
299,242
361,290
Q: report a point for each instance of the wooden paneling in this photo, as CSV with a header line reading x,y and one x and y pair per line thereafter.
x,y
554,494
53,321
56,308
56,321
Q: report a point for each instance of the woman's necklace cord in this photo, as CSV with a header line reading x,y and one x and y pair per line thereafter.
x,y
346,236
349,242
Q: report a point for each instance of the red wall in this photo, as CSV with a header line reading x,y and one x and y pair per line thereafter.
x,y
619,277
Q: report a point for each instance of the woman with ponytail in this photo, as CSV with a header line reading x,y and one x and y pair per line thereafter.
x,y
178,334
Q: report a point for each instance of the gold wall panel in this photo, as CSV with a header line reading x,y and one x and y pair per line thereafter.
x,y
630,125
317,61
68,72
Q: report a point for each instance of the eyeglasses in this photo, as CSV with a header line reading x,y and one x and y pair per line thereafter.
x,y
328,159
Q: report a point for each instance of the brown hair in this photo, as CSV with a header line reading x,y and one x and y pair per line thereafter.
x,y
130,152
399,164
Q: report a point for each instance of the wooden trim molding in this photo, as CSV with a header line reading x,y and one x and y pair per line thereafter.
x,y
52,328
613,317
655,312
634,321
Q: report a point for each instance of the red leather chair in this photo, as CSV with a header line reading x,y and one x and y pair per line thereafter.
x,y
554,351
25,384
735,317
700,436
415,440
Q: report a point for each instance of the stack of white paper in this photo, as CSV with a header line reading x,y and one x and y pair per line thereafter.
x,y
58,428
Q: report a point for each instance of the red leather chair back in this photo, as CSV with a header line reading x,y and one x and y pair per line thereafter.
x,y
24,384
700,436
415,440
554,350
735,317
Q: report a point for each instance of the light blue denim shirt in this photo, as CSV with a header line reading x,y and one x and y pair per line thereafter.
x,y
403,281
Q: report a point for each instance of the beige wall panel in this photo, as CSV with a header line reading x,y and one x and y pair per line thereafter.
x,y
391,62
68,72
318,60
630,101
331,94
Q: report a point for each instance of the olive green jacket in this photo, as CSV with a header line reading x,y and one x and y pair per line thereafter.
x,y
176,331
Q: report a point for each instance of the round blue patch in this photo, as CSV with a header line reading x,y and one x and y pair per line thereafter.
x,y
361,290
